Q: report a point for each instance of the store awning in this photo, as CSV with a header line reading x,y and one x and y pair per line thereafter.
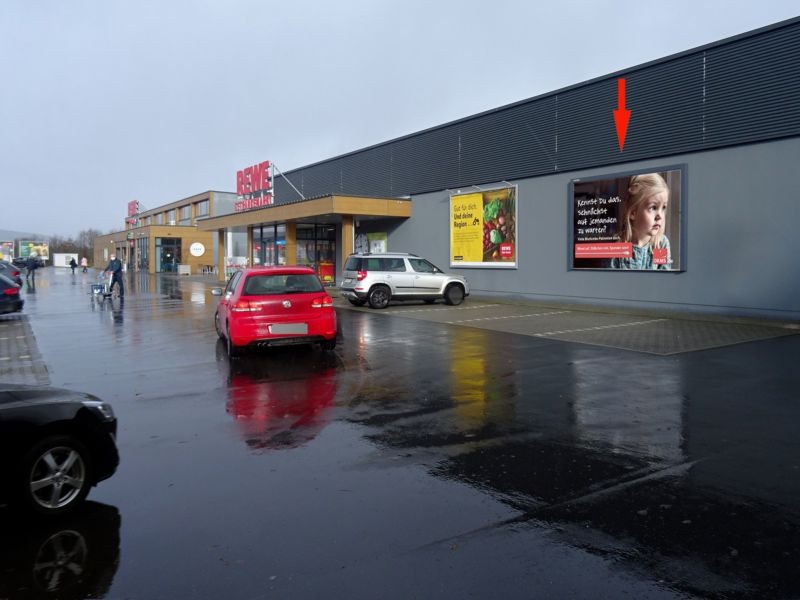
x,y
357,206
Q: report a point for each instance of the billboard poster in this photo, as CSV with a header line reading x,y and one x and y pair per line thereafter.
x,y
28,247
628,221
378,242
6,250
483,229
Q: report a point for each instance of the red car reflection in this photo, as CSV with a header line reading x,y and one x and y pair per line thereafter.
x,y
274,306
282,413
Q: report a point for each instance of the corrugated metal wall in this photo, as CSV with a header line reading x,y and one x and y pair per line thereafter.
x,y
740,91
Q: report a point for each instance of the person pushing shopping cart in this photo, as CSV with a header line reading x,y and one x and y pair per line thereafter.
x,y
114,267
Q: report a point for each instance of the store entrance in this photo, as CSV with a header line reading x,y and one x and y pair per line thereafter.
x,y
316,248
168,255
269,245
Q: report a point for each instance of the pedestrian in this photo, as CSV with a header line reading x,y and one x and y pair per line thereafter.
x,y
72,264
115,268
30,268
84,264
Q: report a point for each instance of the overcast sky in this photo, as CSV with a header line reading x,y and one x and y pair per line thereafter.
x,y
108,101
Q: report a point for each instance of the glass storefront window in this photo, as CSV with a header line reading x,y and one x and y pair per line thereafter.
x,y
168,255
143,254
316,248
186,215
269,245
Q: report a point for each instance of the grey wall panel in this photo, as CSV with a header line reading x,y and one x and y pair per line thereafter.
x,y
426,161
739,91
367,173
740,233
753,88
510,143
666,104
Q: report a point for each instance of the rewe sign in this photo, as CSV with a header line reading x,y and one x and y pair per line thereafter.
x,y
254,187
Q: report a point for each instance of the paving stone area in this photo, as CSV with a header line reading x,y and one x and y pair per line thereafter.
x,y
20,360
650,334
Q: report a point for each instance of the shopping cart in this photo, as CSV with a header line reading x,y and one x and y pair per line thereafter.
x,y
102,289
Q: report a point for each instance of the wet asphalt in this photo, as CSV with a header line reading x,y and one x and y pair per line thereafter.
x,y
420,459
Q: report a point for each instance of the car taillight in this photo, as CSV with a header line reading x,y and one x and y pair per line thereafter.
x,y
324,302
11,291
243,306
361,275
15,273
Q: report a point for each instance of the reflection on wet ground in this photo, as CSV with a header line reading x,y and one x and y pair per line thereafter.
x,y
482,462
73,556
280,399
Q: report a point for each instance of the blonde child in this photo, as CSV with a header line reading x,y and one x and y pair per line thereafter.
x,y
643,223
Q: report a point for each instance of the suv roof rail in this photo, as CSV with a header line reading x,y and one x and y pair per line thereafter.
x,y
381,253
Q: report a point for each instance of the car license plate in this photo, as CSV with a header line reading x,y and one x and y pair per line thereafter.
x,y
294,328
348,281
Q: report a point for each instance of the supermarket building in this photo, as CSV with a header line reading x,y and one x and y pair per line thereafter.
x,y
530,200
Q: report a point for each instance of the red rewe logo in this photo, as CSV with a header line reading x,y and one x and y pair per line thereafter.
x,y
660,256
506,250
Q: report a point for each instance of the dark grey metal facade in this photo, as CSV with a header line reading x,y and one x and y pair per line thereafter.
x,y
737,91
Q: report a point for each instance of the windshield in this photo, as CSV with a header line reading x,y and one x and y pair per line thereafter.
x,y
270,285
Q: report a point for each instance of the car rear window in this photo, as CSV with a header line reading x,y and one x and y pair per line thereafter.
x,y
270,285
353,264
374,263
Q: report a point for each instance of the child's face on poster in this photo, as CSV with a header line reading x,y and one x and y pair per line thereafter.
x,y
648,218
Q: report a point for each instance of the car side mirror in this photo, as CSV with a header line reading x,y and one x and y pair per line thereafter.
x,y
216,291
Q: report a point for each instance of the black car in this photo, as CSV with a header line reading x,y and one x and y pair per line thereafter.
x,y
55,445
10,271
20,263
10,299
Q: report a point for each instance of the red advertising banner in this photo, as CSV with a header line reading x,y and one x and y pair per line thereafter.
x,y
133,208
614,250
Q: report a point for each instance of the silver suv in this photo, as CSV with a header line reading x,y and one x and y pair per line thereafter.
x,y
379,278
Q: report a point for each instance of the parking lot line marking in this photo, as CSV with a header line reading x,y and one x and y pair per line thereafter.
x,y
20,337
25,356
598,328
441,308
559,312
5,358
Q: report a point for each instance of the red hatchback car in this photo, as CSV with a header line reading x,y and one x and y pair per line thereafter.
x,y
274,306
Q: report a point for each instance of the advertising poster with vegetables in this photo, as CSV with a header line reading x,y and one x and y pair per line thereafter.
x,y
483,229
631,221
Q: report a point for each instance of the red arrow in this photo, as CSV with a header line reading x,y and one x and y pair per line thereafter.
x,y
621,115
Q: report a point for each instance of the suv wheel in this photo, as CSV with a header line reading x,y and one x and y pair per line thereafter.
x,y
57,475
379,296
454,294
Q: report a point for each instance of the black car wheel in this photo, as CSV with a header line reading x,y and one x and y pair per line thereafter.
x,y
379,296
356,302
217,326
328,345
57,474
454,294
